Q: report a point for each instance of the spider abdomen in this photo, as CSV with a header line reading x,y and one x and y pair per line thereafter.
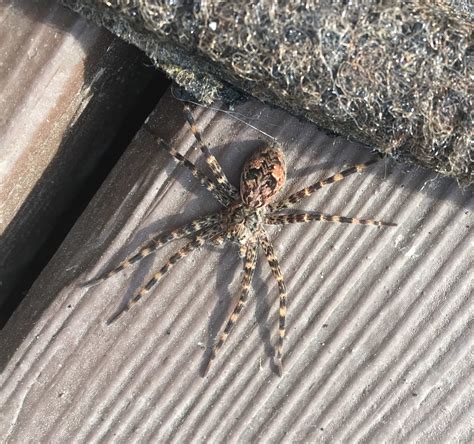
x,y
263,176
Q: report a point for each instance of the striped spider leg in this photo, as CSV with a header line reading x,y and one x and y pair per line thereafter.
x,y
197,241
298,216
242,220
249,268
211,161
263,176
196,226
278,275
200,230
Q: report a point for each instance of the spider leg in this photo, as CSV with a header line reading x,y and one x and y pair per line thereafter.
x,y
211,161
156,242
277,274
218,240
197,241
283,219
249,268
305,192
222,196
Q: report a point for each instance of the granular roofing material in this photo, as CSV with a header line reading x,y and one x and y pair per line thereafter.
x,y
394,75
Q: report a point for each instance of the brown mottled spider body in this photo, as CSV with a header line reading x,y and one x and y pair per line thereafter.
x,y
242,221
263,176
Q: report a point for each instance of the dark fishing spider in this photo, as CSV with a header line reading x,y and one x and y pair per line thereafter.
x,y
241,221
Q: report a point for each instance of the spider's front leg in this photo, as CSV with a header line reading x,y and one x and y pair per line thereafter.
x,y
197,241
277,274
157,241
249,268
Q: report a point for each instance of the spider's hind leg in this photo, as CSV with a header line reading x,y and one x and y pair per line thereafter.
x,y
301,217
305,192
221,195
211,161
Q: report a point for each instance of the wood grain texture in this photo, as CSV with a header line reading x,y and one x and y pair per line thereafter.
x,y
62,99
378,349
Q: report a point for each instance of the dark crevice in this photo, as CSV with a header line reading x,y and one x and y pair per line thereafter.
x,y
133,120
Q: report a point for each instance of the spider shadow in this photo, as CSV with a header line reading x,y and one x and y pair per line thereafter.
x,y
200,205
141,271
228,295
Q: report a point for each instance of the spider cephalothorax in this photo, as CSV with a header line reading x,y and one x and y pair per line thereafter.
x,y
243,219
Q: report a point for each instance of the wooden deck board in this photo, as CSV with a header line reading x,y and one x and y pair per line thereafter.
x,y
378,319
62,99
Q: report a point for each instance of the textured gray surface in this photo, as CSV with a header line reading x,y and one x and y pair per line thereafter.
x,y
379,344
395,75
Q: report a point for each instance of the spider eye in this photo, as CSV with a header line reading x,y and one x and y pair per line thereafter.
x,y
262,177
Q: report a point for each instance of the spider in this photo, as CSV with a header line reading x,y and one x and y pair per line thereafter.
x,y
242,220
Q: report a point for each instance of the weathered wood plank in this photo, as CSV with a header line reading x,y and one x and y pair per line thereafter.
x,y
65,88
378,319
